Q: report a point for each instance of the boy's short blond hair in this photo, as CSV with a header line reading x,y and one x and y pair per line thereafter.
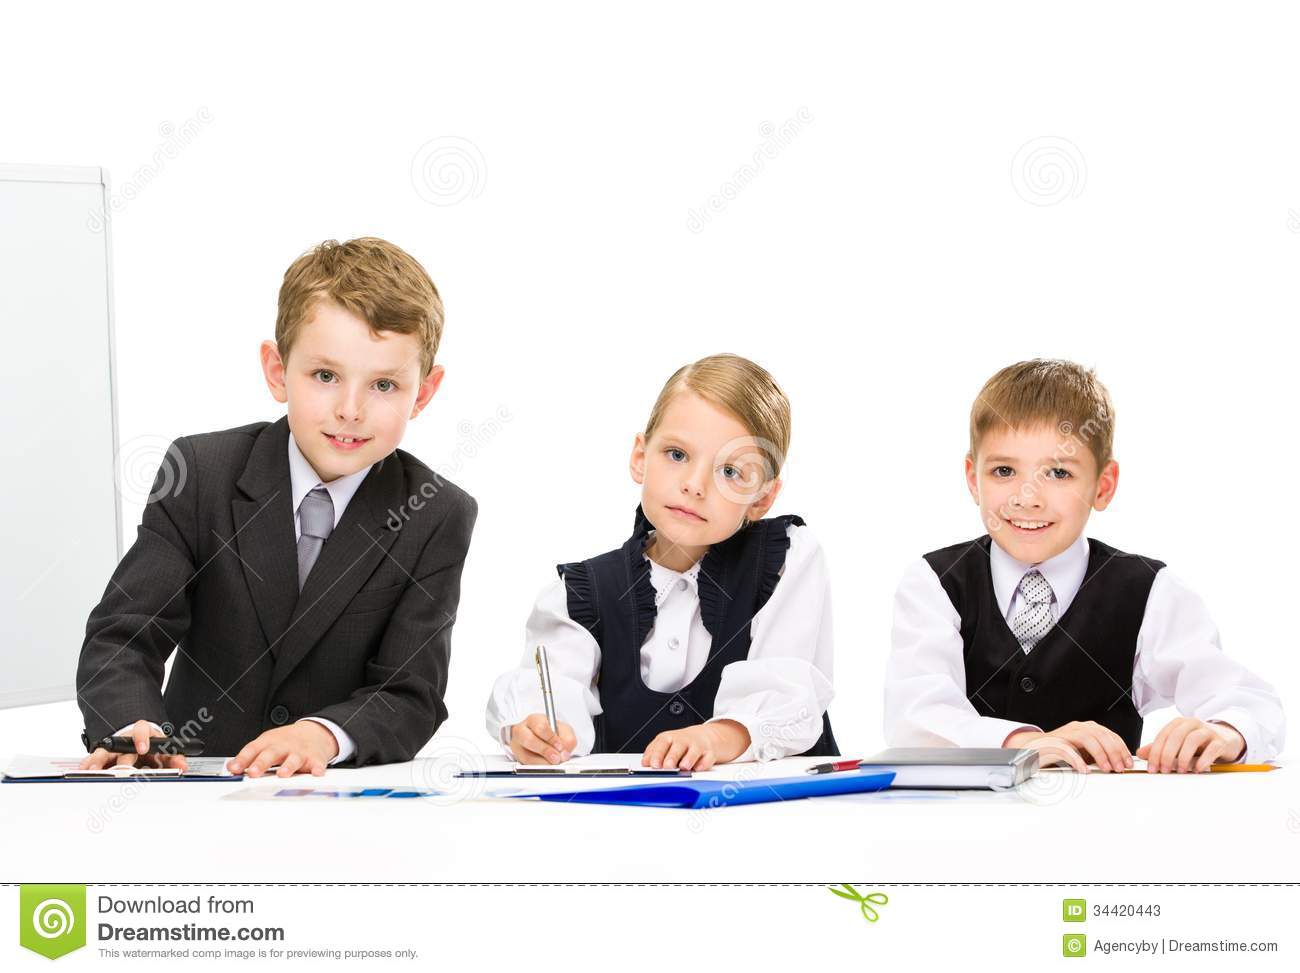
x,y
743,388
1052,392
376,280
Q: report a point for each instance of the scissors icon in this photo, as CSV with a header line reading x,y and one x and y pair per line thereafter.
x,y
866,901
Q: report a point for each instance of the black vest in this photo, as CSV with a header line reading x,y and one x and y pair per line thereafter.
x,y
613,598
1082,669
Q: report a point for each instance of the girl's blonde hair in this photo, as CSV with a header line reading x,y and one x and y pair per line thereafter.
x,y
744,389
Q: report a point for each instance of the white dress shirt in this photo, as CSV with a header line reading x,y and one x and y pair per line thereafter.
x,y
303,478
1178,662
778,693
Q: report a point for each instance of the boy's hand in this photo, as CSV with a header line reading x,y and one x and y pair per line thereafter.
x,y
1091,741
1051,750
306,746
141,732
532,742
1187,745
697,747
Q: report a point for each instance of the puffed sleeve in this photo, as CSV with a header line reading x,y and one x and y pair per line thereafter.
x,y
574,657
1180,663
781,690
925,678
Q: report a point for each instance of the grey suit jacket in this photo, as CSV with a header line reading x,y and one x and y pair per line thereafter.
x,y
213,574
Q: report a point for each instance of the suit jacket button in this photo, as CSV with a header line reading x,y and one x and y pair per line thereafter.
x,y
1027,684
677,707
279,715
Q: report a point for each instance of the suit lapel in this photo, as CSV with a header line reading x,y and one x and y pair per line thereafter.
x,y
349,556
264,534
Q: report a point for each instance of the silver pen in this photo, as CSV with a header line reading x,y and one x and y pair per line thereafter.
x,y
544,674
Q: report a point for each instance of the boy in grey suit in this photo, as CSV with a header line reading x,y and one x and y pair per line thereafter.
x,y
307,571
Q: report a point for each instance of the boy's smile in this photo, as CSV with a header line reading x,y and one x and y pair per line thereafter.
x,y
350,390
1036,488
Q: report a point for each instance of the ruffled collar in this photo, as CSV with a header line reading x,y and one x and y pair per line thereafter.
x,y
711,580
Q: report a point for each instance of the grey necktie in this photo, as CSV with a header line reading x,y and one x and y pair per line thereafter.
x,y
1033,619
316,518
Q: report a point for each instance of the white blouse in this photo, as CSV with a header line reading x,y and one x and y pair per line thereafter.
x,y
778,693
1178,662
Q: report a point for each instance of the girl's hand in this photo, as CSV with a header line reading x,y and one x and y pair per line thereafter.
x,y
697,747
532,742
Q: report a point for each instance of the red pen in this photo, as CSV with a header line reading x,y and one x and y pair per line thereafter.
x,y
831,768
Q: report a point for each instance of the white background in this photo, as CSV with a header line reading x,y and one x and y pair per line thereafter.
x,y
882,264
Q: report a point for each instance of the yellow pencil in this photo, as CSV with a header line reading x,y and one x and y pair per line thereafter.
x,y
1223,768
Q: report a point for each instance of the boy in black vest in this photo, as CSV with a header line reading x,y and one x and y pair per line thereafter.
x,y
1033,636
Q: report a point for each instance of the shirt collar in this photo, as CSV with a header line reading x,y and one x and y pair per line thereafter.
x,y
304,478
1064,572
665,579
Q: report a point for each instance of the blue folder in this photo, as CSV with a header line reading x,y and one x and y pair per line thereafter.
x,y
698,794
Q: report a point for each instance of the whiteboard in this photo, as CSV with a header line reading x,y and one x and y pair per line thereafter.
x,y
61,517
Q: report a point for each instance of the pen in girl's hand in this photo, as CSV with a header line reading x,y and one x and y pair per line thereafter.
x,y
544,674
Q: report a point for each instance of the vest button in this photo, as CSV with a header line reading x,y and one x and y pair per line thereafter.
x,y
1027,684
677,707
279,715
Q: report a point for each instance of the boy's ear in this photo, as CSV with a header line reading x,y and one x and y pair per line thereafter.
x,y
1107,484
273,369
637,463
972,479
759,508
427,389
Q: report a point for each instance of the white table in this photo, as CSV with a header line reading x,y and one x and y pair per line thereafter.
x,y
1098,828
